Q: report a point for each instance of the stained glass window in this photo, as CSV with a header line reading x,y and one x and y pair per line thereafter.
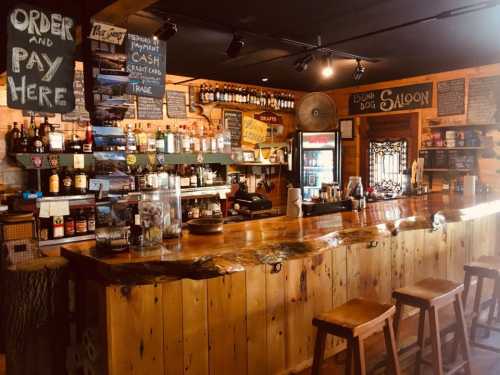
x,y
388,165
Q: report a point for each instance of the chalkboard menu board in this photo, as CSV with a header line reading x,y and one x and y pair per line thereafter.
x,y
149,108
232,121
146,62
79,113
176,104
130,114
483,106
40,60
391,99
451,97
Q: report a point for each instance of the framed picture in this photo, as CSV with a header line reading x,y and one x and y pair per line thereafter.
x,y
346,128
248,156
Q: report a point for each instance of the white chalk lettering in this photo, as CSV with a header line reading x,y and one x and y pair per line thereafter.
x,y
14,90
38,23
35,60
18,54
53,67
43,99
60,96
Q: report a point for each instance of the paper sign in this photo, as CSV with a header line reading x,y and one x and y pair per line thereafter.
x,y
95,184
78,161
59,208
253,131
107,33
44,210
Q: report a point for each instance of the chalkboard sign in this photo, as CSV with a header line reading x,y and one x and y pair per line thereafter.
x,y
232,121
146,62
483,106
451,97
40,60
149,108
176,104
391,99
79,113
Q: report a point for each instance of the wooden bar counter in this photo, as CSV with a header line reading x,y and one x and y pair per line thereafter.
x,y
243,301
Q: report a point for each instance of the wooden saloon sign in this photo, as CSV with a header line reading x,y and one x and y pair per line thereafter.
x,y
40,60
391,99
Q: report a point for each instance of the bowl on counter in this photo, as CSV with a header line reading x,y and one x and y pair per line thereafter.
x,y
207,225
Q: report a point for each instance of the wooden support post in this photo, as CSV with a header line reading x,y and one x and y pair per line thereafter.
x,y
36,317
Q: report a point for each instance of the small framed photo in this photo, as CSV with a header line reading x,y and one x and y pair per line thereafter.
x,y
248,156
347,128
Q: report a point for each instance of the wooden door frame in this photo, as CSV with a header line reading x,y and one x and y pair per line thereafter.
x,y
410,133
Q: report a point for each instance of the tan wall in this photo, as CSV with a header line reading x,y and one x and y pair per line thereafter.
x,y
351,153
12,177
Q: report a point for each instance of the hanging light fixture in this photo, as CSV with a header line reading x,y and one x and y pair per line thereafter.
x,y
234,49
358,71
302,63
166,31
327,69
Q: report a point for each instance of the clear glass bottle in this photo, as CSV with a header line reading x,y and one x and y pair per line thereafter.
x,y
131,140
55,140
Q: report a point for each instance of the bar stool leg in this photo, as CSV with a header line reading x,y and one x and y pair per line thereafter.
x,y
397,319
319,351
462,333
493,306
420,340
476,309
359,353
437,358
348,363
467,281
390,345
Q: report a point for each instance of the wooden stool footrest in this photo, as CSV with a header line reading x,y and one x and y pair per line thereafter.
x,y
485,347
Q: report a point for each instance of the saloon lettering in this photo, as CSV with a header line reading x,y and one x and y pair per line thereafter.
x,y
40,70
391,99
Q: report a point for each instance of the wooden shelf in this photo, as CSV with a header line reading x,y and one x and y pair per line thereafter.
x,y
450,148
449,126
431,170
258,164
247,107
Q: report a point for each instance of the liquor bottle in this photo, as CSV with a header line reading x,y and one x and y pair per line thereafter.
x,y
89,139
195,138
54,187
217,93
14,138
193,179
31,128
81,223
67,181
91,221
202,94
140,179
131,140
141,139
37,143
75,145
185,180
23,145
58,227
160,141
44,131
80,182
219,139
151,139
196,210
69,226
55,140
186,140
169,141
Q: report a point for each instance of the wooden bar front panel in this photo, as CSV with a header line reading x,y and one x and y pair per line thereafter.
x,y
259,321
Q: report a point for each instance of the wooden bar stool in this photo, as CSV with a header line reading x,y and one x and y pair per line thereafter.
x,y
355,321
486,267
430,295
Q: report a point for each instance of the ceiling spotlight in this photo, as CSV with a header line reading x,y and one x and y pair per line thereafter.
x,y
234,49
327,70
166,31
264,79
358,71
302,64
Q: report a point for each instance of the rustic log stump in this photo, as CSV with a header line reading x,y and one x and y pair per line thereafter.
x,y
36,317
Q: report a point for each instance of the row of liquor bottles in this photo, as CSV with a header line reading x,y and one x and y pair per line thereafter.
x,y
244,95
190,138
44,137
79,222
66,181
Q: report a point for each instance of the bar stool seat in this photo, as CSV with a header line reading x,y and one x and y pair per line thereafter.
x,y
489,266
429,296
355,321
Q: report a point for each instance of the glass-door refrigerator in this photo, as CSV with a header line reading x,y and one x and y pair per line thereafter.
x,y
316,160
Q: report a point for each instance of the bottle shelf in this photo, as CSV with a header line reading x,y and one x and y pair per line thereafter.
x,y
42,161
450,148
206,191
437,170
247,107
450,126
66,240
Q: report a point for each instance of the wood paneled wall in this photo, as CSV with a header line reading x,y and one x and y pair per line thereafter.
x,y
351,157
259,321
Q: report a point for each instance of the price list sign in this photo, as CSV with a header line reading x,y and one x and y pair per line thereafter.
x,y
149,108
233,121
40,60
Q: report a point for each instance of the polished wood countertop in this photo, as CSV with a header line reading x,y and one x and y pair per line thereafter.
x,y
274,240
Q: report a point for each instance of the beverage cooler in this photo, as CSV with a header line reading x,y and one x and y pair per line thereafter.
x,y
316,160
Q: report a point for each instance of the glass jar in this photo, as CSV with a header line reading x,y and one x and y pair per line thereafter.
x,y
172,212
151,217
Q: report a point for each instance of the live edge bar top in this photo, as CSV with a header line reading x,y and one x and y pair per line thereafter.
x,y
275,240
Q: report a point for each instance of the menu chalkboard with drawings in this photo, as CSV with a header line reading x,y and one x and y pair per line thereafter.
x,y
451,97
176,104
483,106
149,108
79,113
40,60
232,120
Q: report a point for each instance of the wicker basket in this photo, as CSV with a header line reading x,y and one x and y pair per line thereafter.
x,y
20,251
17,226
